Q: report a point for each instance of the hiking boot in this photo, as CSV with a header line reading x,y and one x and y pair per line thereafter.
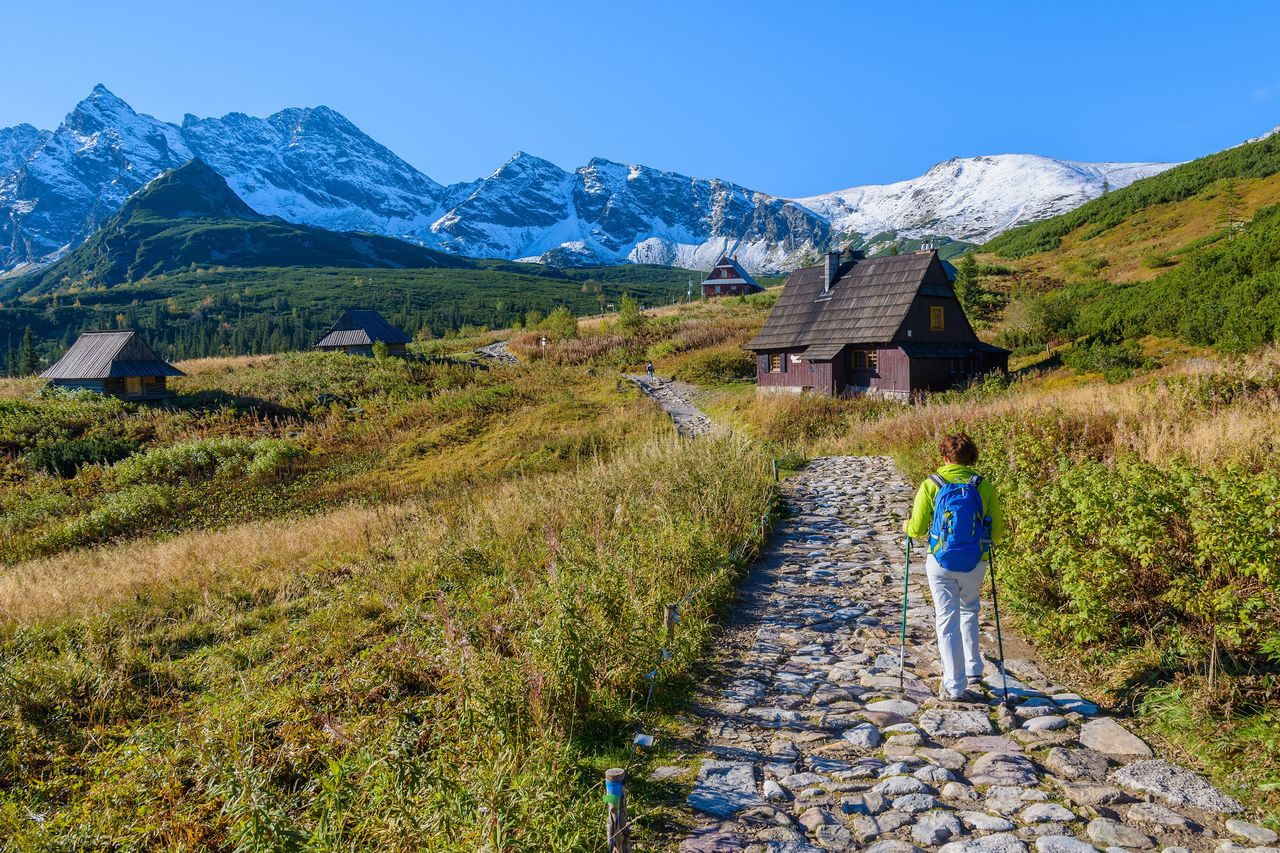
x,y
975,682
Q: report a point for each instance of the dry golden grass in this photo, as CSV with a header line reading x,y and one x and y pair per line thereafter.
x,y
1161,228
221,364
254,557
1157,417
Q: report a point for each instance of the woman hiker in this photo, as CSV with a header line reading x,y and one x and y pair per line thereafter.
x,y
958,513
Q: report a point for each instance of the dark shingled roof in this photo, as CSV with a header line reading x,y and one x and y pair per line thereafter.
x,y
110,355
866,305
362,328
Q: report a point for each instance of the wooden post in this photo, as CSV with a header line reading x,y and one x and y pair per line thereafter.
x,y
615,789
775,470
669,622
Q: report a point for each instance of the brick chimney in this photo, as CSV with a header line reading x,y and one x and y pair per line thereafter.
x,y
829,270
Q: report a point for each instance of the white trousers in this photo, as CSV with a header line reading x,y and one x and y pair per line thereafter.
x,y
956,603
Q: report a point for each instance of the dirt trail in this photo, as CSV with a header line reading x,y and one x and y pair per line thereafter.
x,y
808,744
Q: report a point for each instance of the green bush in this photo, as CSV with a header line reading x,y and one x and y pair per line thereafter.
x,y
64,458
719,366
1115,360
202,459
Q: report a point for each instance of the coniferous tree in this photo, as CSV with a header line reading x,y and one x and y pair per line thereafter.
x,y
29,362
11,362
968,289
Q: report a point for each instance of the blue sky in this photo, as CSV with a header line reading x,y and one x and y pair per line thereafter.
x,y
789,97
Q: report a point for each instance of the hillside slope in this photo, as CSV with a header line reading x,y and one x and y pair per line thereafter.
x,y
190,217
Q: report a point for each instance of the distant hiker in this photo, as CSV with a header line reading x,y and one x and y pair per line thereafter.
x,y
648,368
959,514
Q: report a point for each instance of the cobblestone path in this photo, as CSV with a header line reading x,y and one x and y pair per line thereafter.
x,y
675,399
810,746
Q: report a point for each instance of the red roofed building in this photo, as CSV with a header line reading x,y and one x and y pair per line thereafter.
x,y
728,278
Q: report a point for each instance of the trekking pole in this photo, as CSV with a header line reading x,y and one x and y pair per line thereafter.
x,y
995,605
902,643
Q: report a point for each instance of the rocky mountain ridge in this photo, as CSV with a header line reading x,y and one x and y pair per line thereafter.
x,y
313,166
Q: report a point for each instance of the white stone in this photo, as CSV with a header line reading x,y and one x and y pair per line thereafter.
x,y
1063,844
1046,812
1175,785
1107,736
1259,836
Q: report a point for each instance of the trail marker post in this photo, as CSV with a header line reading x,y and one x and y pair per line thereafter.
x,y
775,470
615,795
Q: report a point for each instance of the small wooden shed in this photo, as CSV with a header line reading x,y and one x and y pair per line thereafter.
x,y
889,326
729,278
357,331
119,363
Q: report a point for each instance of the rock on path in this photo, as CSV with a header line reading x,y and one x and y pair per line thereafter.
x,y
808,744
675,398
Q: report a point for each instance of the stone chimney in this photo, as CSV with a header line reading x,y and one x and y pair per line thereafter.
x,y
829,270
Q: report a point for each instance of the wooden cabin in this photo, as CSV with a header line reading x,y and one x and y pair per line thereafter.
x,y
356,332
728,278
888,326
119,363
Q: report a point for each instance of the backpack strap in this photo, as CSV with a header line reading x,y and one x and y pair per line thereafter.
x,y
975,479
937,480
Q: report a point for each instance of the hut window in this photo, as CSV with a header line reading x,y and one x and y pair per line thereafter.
x,y
775,363
133,385
864,359
935,318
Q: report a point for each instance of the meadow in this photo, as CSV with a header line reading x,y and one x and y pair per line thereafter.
x,y
412,604
329,603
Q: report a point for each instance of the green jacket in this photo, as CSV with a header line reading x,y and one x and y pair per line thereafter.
x,y
922,512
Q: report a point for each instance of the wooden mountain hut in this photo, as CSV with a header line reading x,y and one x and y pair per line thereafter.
x,y
119,363
357,331
890,326
729,278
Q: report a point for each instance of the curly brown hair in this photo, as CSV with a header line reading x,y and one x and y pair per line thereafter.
x,y
958,448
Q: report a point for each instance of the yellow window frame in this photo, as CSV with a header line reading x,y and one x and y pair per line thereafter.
x,y
937,318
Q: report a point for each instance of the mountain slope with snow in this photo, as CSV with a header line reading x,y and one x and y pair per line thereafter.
x,y
975,198
314,167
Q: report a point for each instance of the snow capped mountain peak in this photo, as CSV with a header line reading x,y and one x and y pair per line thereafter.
x,y
974,198
311,165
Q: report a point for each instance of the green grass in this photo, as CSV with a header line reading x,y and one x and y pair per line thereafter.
x,y
1254,160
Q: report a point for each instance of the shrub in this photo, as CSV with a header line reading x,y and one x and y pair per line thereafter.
x,y
719,366
1116,361
201,459
1157,260
64,458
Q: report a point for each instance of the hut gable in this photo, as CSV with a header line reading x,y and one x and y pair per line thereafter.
x,y
729,278
110,355
359,330
890,324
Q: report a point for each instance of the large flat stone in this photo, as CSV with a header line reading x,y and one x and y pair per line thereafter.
x,y
1107,736
944,722
1002,768
713,839
1077,764
1108,833
986,743
999,842
724,788
1175,785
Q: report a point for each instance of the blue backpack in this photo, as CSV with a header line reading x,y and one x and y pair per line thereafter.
x,y
960,528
